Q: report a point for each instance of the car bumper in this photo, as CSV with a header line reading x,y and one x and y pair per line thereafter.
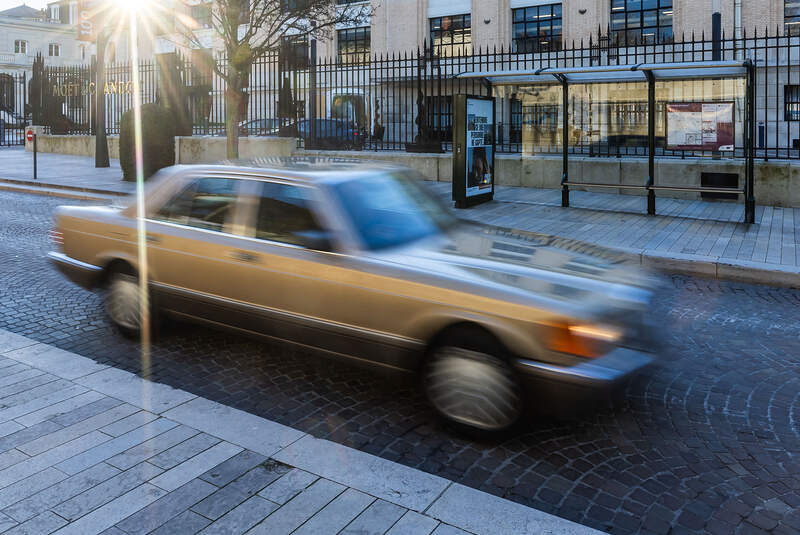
x,y
606,371
81,273
569,391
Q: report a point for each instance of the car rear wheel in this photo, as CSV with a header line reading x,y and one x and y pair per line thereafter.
x,y
122,302
469,382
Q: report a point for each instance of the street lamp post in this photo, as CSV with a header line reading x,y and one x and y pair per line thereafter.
x,y
101,142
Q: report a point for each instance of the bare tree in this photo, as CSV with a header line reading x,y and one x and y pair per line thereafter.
x,y
249,29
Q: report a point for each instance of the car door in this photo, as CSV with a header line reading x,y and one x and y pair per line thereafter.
x,y
298,292
191,242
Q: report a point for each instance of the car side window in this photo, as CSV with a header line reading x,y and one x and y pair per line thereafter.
x,y
205,203
283,212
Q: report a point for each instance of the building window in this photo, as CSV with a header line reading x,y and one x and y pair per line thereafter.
x,y
201,13
791,17
83,52
538,28
353,45
55,13
294,52
791,102
20,47
54,50
452,36
641,21
73,13
288,6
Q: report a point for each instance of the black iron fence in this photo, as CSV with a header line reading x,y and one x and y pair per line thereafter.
x,y
400,101
13,99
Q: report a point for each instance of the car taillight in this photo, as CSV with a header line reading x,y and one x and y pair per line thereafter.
x,y
56,237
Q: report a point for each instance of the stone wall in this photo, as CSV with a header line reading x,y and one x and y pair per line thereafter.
x,y
204,149
584,18
75,145
198,149
777,183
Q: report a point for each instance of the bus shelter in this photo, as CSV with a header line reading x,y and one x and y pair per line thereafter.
x,y
699,115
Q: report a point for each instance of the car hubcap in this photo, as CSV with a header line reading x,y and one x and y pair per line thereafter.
x,y
123,302
473,388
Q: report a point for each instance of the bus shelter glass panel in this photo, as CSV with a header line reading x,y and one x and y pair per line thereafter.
x,y
727,93
610,119
534,115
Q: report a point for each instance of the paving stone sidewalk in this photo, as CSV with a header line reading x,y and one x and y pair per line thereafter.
x,y
702,229
62,170
87,449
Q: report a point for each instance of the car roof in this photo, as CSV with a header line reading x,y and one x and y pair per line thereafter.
x,y
310,169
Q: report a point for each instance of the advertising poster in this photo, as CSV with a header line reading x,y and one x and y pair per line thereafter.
x,y
700,126
87,23
479,146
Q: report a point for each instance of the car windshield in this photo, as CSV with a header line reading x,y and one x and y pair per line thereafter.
x,y
392,209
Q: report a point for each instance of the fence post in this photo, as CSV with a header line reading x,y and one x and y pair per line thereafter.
x,y
312,91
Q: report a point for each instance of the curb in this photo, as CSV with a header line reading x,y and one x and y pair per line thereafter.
x,y
723,269
713,267
62,192
51,185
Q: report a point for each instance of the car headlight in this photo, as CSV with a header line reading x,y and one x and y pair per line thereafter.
x,y
583,340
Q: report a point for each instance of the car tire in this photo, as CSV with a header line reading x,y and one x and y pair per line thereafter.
x,y
122,302
469,381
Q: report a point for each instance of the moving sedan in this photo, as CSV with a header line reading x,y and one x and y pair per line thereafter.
x,y
360,261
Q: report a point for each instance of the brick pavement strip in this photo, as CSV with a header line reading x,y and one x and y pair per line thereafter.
x,y
69,484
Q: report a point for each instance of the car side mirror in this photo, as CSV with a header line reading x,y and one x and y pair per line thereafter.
x,y
317,240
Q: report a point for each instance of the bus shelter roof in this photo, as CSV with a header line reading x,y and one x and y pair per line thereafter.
x,y
614,73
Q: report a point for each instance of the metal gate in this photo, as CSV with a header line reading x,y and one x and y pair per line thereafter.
x,y
13,108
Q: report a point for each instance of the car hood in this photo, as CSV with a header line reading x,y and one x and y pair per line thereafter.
x,y
528,264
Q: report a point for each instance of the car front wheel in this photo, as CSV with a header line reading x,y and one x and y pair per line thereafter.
x,y
469,382
122,303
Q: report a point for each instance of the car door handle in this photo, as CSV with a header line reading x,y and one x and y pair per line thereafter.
x,y
153,239
243,256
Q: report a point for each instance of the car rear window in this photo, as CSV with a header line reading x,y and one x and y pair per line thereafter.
x,y
205,203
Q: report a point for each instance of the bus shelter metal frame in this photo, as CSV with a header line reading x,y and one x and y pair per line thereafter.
x,y
650,73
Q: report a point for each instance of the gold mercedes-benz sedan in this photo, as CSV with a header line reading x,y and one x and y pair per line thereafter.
x,y
361,261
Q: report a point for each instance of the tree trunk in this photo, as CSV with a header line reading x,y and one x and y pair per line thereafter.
x,y
233,98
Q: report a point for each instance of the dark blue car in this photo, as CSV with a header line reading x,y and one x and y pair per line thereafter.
x,y
329,134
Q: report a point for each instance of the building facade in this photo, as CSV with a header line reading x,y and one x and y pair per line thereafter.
x,y
51,32
453,26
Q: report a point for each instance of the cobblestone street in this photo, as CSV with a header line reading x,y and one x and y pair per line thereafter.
x,y
707,443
